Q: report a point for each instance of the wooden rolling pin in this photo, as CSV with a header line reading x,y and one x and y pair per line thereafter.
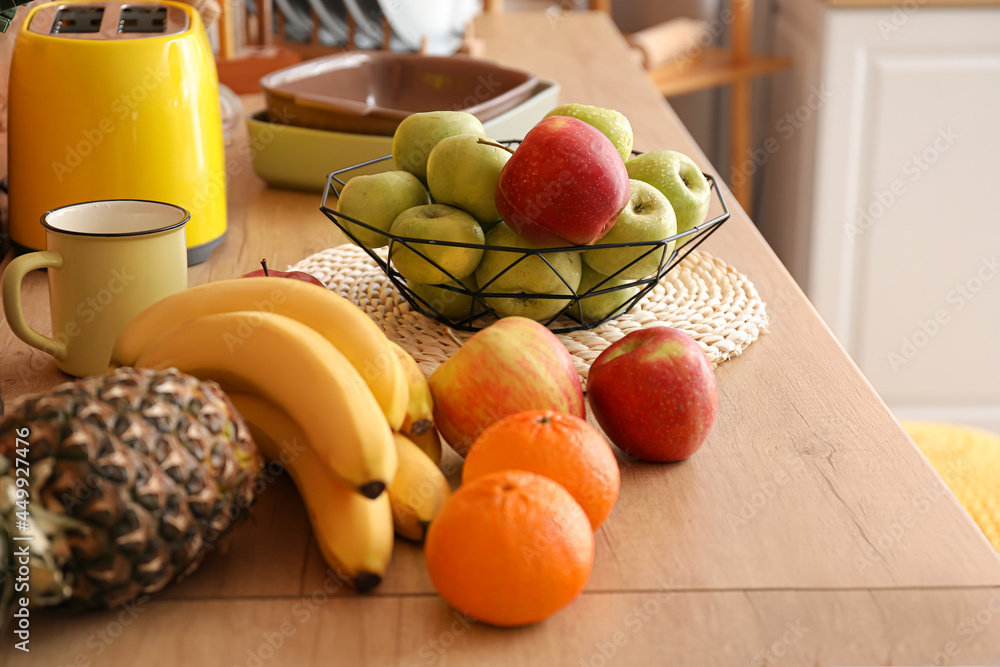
x,y
656,45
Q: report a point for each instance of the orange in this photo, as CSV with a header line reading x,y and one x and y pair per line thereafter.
x,y
564,448
510,549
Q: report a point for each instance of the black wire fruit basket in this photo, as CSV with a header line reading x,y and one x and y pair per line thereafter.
x,y
480,311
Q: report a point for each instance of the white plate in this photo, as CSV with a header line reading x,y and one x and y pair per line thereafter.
x,y
298,23
332,16
441,21
368,19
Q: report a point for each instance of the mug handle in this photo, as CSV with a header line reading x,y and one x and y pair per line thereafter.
x,y
12,278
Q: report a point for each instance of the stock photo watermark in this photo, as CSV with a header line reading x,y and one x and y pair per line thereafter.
x,y
271,641
121,108
901,14
633,622
780,647
87,311
15,498
253,319
101,640
434,649
255,144
968,629
785,127
913,168
878,549
957,298
769,489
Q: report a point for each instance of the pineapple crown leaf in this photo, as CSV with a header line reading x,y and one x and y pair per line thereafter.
x,y
42,525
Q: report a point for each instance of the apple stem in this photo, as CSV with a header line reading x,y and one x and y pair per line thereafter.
x,y
263,263
448,331
487,142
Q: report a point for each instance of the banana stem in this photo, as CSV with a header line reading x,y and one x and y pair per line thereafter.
x,y
421,426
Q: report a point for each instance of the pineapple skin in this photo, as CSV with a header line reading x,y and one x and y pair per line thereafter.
x,y
134,477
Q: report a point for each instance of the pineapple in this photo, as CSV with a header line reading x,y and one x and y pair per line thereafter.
x,y
134,476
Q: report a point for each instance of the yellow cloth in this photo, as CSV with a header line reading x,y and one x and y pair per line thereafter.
x,y
969,462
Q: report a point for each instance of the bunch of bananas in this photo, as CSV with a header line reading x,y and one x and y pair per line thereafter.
x,y
346,411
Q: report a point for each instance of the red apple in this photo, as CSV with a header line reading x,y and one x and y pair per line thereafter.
x,y
653,392
565,184
264,272
509,367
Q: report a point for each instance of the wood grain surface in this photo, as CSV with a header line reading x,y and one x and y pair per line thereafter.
x,y
809,530
909,7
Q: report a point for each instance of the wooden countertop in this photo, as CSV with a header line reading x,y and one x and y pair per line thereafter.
x,y
915,4
809,530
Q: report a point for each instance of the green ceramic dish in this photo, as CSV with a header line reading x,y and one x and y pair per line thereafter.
x,y
299,158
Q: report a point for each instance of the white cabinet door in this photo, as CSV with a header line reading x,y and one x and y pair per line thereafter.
x,y
904,258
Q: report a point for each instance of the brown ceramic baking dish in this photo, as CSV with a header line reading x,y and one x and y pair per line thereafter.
x,y
371,92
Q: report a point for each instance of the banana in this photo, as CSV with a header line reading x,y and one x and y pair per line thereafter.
x,y
354,533
294,367
334,317
418,425
418,491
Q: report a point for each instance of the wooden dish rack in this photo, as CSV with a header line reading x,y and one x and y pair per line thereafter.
x,y
267,28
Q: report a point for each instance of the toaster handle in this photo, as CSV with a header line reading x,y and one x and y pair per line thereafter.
x,y
12,278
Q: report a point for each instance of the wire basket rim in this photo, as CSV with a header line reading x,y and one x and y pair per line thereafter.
x,y
694,237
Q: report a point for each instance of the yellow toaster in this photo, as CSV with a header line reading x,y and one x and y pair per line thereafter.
x,y
115,100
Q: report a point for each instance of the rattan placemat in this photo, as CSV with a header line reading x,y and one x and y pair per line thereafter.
x,y
703,296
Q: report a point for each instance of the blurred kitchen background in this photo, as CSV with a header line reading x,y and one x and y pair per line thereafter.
x,y
860,135
871,157
870,163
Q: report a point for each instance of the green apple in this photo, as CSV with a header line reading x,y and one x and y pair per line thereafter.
x,y
679,178
452,305
647,218
463,171
436,222
598,307
418,134
613,124
530,276
377,200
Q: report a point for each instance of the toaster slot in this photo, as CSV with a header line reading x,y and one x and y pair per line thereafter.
x,y
78,18
146,19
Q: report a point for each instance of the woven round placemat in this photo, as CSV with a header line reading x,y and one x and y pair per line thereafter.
x,y
703,296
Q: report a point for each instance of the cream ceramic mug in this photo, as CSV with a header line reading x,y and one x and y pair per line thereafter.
x,y
107,261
